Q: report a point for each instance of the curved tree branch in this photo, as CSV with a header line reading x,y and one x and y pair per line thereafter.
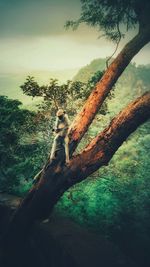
x,y
103,87
102,148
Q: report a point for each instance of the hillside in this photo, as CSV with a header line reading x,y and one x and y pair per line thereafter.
x,y
130,75
86,72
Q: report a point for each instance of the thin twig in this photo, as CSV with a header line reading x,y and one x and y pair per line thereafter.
x,y
118,42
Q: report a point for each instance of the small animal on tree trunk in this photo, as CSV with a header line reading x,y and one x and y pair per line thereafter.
x,y
61,139
60,143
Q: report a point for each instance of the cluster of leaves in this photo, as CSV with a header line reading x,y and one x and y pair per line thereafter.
x,y
52,93
109,15
69,95
20,155
113,18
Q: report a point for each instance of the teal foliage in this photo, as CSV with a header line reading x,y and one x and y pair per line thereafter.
x,y
109,16
69,95
53,94
19,155
115,200
85,73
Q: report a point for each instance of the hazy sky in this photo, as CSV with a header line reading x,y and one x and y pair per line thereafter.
x,y
32,37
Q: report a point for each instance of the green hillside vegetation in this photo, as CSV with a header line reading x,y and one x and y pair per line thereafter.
x,y
88,71
131,75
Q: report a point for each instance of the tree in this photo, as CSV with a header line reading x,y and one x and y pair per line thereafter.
x,y
57,95
23,134
15,155
55,180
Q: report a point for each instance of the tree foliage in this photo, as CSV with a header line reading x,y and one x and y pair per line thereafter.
x,y
69,95
110,15
19,153
53,93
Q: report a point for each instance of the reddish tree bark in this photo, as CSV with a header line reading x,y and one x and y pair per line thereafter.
x,y
102,147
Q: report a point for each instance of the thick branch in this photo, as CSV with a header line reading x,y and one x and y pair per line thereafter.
x,y
102,148
103,87
41,200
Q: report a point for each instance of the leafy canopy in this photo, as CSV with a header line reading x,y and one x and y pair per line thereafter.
x,y
109,15
55,95
16,155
